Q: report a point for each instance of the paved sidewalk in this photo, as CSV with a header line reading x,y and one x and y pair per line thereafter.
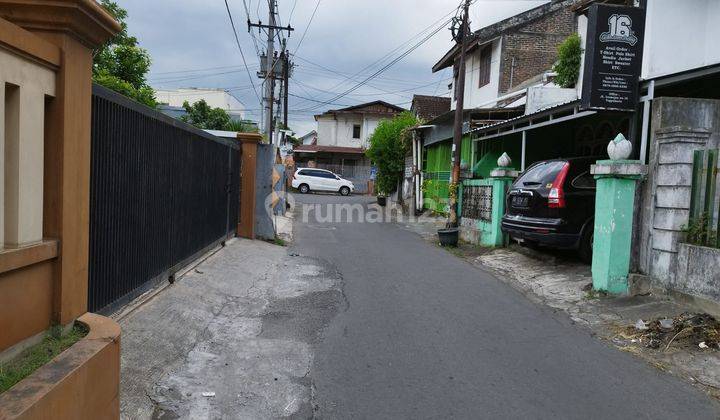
x,y
230,339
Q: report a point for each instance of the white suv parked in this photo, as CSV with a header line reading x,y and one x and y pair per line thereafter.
x,y
312,179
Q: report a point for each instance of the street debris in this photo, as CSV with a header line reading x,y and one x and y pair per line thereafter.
x,y
641,325
208,394
666,324
688,330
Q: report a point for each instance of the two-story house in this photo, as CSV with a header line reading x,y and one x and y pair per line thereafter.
x,y
342,138
504,55
503,60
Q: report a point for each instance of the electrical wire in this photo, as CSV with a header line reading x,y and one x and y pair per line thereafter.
x,y
237,41
387,66
398,48
308,26
252,34
315,100
292,11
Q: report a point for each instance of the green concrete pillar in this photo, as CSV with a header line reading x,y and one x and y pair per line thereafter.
x,y
502,179
614,209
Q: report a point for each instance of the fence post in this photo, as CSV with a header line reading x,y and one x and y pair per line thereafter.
x,y
249,143
501,178
710,188
76,27
614,207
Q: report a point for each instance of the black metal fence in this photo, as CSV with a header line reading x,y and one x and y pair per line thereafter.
x,y
477,202
161,193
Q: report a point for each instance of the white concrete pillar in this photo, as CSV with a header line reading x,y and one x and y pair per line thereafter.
x,y
24,141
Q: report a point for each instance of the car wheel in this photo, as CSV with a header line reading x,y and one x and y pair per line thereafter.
x,y
304,189
586,244
344,191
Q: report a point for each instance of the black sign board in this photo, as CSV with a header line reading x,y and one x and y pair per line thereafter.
x,y
613,57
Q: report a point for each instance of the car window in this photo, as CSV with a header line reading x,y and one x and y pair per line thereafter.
x,y
584,180
328,175
541,174
304,172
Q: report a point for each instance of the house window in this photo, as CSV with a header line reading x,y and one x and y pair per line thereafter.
x,y
356,131
484,67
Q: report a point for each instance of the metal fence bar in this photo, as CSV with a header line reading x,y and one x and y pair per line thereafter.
x,y
696,189
477,202
710,188
161,192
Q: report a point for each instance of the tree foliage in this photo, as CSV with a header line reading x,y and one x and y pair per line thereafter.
x,y
389,144
568,64
241,126
120,64
205,117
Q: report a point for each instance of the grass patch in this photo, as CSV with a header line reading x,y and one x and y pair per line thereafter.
x,y
593,294
277,241
36,356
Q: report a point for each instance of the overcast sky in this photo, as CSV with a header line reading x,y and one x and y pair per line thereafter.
x,y
192,45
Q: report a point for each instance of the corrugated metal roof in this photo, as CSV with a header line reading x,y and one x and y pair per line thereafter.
x,y
528,116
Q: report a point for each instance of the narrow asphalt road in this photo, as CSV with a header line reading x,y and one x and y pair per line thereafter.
x,y
426,335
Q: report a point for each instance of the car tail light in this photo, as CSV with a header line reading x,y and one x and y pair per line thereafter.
x,y
556,198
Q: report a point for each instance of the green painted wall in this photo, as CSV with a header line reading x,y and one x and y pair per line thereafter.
x,y
437,176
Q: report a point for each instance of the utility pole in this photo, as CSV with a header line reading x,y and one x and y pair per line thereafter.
x,y
286,83
269,70
269,73
459,105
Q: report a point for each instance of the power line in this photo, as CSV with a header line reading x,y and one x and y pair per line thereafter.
x,y
387,66
308,26
252,34
202,76
237,41
315,100
197,70
292,11
399,47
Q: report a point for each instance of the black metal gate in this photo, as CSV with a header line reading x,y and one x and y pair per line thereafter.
x,y
161,193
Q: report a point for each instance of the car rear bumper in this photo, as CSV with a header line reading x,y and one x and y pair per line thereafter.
x,y
543,231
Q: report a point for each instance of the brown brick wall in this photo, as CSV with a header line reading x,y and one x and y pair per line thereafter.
x,y
534,47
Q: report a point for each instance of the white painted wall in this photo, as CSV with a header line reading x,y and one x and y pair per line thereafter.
x,y
216,98
680,35
27,84
338,131
476,96
541,97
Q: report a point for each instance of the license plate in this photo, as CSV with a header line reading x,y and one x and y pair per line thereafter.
x,y
520,201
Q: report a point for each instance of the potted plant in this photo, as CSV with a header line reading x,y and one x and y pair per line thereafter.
x,y
449,235
381,199
389,144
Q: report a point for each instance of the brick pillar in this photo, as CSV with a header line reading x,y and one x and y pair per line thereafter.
x,y
76,27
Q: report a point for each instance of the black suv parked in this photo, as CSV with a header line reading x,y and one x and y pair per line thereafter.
x,y
553,204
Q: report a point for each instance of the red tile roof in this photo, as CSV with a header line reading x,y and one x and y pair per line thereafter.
x,y
430,107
